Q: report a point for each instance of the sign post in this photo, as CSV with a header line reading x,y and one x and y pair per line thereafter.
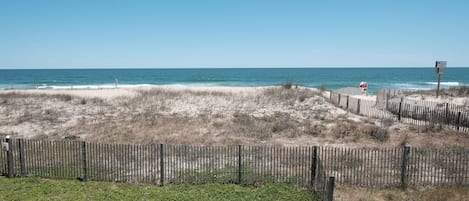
x,y
440,68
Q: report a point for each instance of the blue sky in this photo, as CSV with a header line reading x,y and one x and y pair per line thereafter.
x,y
232,33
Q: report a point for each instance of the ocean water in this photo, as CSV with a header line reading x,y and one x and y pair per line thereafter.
x,y
331,78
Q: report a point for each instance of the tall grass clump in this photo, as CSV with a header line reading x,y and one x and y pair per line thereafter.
x,y
287,85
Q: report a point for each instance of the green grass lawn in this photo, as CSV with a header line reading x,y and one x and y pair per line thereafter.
x,y
44,189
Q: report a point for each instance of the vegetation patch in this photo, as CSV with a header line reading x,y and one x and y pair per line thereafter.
x,y
42,189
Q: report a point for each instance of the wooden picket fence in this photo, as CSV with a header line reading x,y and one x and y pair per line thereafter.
x,y
420,113
308,167
162,164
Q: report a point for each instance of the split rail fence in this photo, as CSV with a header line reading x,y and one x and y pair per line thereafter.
x,y
419,113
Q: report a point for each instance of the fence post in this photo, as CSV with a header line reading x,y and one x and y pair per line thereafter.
x,y
330,189
405,161
85,162
399,115
22,165
11,170
446,114
161,164
347,102
330,95
338,100
314,163
240,148
358,106
387,101
459,121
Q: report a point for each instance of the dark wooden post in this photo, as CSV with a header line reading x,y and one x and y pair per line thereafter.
x,y
22,165
346,105
387,101
338,100
85,162
161,164
459,121
314,163
399,115
405,161
330,189
330,95
358,106
11,169
240,163
446,114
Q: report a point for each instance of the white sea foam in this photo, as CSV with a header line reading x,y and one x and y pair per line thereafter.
x,y
412,86
208,84
443,83
111,86
101,86
424,85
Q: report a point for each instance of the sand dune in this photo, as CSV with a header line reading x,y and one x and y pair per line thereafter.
x,y
201,115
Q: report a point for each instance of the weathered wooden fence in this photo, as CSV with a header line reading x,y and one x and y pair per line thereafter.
x,y
396,166
420,113
308,167
162,164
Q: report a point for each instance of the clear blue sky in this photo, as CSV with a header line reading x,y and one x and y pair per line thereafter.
x,y
232,33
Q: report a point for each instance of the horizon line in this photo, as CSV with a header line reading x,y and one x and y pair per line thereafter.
x,y
213,67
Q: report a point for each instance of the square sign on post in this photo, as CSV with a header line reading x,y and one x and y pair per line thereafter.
x,y
440,67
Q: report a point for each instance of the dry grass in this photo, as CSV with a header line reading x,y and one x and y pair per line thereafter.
x,y
274,116
15,95
287,95
461,91
457,193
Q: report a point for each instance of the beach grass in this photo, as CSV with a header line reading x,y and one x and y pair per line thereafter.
x,y
45,189
201,116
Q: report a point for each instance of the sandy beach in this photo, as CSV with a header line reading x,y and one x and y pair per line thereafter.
x,y
201,115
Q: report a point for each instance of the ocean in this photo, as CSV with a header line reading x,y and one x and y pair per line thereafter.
x,y
331,78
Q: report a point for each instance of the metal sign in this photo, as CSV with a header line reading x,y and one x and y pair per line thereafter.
x,y
5,146
440,67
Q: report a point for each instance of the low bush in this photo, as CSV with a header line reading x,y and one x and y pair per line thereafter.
x,y
287,85
381,134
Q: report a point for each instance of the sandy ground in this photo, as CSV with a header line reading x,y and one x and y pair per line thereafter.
x,y
453,100
130,91
202,115
95,93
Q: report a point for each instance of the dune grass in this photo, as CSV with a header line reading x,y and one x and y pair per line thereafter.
x,y
44,189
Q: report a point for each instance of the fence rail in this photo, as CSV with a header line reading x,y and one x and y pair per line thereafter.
x,y
308,167
419,113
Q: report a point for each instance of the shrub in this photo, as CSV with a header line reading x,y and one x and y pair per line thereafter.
x,y
66,98
387,122
242,118
71,137
280,126
302,97
381,134
322,88
287,85
280,94
405,141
